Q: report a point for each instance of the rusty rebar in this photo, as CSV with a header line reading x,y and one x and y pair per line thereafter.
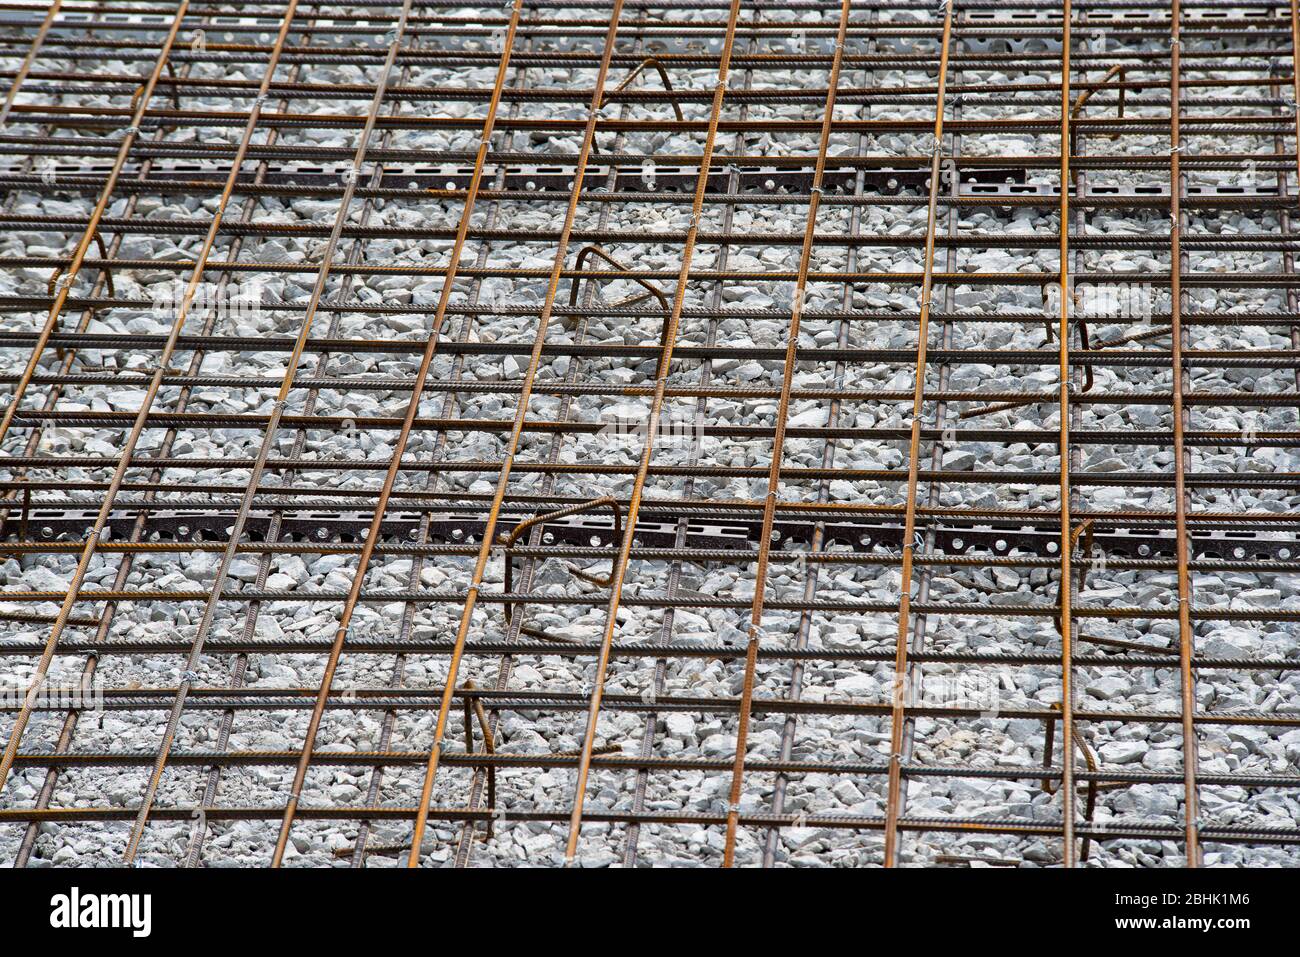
x,y
442,468
899,691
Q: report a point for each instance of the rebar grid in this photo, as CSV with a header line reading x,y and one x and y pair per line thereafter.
x,y
610,432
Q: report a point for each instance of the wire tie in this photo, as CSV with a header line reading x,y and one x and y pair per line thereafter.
x,y
189,677
733,808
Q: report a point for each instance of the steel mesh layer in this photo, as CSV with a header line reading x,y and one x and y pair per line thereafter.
x,y
797,433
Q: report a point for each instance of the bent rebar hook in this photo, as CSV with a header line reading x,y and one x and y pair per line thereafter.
x,y
1090,759
509,540
650,289
1117,70
636,71
108,275
623,84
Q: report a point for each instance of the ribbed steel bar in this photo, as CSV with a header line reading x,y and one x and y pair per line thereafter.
x,y
920,624
1066,586
24,70
239,666
755,629
71,720
137,832
449,405
155,383
1177,222
587,300
1295,73
78,257
42,667
426,699
489,536
984,826
899,690
488,127
663,364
